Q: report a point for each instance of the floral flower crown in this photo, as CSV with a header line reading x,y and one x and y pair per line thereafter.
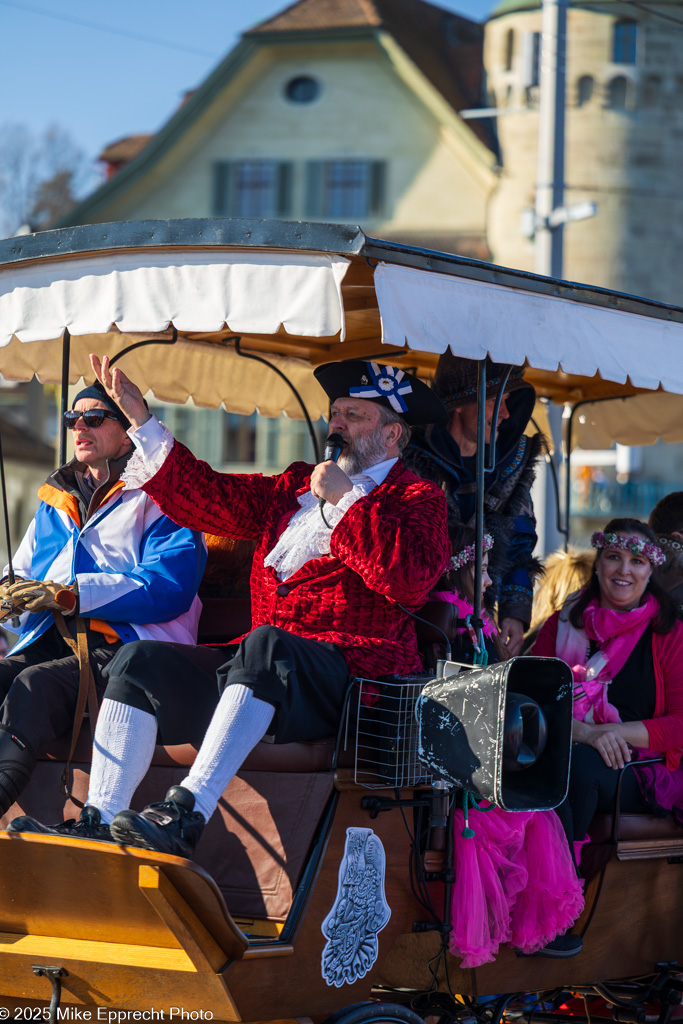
x,y
466,556
636,545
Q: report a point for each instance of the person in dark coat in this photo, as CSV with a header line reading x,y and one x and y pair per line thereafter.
x,y
666,519
445,454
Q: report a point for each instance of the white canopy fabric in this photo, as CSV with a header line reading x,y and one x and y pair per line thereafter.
x,y
430,311
638,420
210,375
250,292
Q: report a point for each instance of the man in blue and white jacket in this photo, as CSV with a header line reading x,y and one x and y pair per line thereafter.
x,y
98,550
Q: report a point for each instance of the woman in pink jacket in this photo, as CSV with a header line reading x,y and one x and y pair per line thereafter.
x,y
624,644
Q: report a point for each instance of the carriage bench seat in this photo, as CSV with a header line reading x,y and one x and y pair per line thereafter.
x,y
638,836
314,756
255,846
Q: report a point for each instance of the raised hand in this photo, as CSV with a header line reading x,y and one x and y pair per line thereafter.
x,y
121,389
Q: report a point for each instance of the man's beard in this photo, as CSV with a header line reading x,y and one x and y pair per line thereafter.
x,y
363,452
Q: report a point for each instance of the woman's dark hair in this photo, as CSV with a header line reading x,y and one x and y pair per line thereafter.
x,y
667,614
459,579
462,580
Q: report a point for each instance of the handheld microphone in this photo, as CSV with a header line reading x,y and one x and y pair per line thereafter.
x,y
334,446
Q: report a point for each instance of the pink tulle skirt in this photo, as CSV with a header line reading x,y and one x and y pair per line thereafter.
x,y
515,882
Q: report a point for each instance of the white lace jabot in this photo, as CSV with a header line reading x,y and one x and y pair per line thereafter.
x,y
306,536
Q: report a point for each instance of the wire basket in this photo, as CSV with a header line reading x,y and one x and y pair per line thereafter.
x,y
387,734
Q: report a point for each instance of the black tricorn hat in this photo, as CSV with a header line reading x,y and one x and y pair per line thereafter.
x,y
387,385
455,380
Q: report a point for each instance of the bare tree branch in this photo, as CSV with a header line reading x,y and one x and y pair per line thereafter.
x,y
41,176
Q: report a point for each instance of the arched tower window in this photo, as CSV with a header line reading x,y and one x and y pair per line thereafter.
x,y
618,93
584,90
624,38
509,52
652,91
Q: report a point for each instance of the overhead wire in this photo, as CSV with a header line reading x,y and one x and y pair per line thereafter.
x,y
84,23
654,14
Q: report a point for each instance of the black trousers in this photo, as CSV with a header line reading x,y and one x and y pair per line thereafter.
x,y
39,686
305,681
593,790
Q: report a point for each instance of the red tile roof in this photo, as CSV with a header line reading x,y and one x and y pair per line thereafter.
x,y
125,149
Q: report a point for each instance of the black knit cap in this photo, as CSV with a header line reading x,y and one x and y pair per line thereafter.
x,y
408,396
97,392
455,380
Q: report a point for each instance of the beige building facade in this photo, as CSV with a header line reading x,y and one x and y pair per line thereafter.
x,y
345,112
327,120
624,141
624,151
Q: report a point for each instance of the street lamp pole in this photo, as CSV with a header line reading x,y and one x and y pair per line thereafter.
x,y
551,128
549,229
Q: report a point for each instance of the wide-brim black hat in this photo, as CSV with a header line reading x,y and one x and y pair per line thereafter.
x,y
384,384
455,380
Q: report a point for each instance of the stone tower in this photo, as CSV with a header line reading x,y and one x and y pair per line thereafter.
x,y
624,140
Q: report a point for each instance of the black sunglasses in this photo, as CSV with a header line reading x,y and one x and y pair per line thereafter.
x,y
91,417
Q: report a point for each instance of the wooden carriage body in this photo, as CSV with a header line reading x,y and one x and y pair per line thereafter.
x,y
236,935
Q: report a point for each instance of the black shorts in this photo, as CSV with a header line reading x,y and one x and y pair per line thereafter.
x,y
305,681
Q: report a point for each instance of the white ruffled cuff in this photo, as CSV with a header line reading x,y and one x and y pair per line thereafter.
x,y
153,443
351,497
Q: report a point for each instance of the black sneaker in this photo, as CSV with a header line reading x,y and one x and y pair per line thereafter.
x,y
561,948
168,827
88,826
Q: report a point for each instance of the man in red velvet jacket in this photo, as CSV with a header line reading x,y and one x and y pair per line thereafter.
x,y
329,595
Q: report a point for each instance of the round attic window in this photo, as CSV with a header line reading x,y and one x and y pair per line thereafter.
x,y
302,89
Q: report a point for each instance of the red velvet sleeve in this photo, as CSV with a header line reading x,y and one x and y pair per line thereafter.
x,y
545,643
665,732
194,495
398,548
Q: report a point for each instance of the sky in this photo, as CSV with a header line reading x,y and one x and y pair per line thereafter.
x,y
103,71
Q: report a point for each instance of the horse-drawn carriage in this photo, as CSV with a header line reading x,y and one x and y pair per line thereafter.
x,y
291,910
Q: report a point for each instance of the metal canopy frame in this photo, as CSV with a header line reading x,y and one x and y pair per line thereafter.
x,y
302,236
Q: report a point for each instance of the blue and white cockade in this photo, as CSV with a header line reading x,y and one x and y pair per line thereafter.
x,y
384,382
360,910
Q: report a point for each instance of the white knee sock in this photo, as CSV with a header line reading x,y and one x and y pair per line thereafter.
x,y
125,738
238,723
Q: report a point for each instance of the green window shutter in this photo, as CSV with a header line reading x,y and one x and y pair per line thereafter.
x,y
285,180
313,200
221,189
378,175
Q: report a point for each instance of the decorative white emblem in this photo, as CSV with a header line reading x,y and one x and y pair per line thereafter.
x,y
359,913
390,385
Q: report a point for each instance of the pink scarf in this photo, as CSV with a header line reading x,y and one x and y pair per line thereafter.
x,y
464,609
617,633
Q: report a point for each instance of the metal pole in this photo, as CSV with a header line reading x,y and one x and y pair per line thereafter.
x,y
5,507
548,255
479,507
551,123
66,352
